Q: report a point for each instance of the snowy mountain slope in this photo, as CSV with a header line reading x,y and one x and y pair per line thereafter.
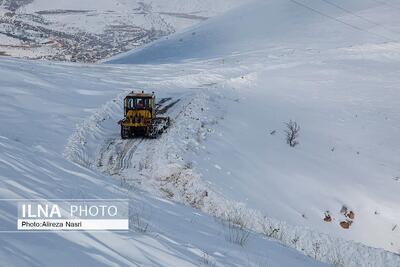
x,y
291,24
166,167
52,99
333,68
87,31
221,154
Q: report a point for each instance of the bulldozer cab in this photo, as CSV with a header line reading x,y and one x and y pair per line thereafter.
x,y
139,101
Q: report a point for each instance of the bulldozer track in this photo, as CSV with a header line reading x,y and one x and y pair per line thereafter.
x,y
164,109
116,156
162,101
127,154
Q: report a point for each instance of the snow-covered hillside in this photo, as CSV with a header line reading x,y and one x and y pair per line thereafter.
x,y
290,24
333,68
86,31
52,99
32,166
230,85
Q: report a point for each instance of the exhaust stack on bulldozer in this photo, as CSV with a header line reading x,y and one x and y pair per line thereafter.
x,y
140,118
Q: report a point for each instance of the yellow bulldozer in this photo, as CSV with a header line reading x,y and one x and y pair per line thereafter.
x,y
140,117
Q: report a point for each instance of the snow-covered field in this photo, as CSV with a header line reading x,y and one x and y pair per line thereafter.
x,y
231,83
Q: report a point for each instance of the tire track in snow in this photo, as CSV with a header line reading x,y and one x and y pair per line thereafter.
x,y
127,154
115,156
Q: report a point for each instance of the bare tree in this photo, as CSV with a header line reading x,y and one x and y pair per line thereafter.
x,y
292,133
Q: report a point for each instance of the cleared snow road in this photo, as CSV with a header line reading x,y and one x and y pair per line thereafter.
x,y
115,156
